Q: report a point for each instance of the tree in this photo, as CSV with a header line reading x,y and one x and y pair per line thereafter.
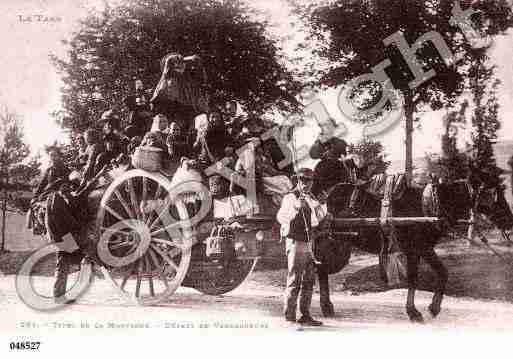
x,y
371,151
350,34
126,42
452,164
16,169
448,169
485,119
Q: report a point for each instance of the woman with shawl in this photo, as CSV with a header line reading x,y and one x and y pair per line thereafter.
x,y
180,93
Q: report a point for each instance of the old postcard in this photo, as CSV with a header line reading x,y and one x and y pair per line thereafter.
x,y
174,171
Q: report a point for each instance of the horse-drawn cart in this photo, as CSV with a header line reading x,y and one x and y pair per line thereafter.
x,y
153,234
155,231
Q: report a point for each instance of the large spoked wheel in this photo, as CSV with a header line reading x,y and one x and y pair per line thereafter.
x,y
226,280
145,251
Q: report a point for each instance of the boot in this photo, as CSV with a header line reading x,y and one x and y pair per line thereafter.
x,y
307,320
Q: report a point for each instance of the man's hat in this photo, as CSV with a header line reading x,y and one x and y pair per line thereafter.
x,y
336,144
53,148
74,177
109,117
304,173
131,131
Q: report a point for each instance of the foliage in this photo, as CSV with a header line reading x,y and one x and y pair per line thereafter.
x,y
16,169
452,164
451,122
27,173
448,168
127,41
485,120
371,152
480,161
350,34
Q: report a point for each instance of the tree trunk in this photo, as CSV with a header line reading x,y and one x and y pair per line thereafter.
x,y
408,142
4,210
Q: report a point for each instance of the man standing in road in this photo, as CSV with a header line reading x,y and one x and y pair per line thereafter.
x,y
299,213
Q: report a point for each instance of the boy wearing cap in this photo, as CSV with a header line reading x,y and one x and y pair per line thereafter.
x,y
299,213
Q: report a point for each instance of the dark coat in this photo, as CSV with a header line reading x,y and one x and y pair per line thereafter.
x,y
61,217
52,174
117,146
68,214
93,154
181,96
328,173
319,149
278,154
140,115
217,140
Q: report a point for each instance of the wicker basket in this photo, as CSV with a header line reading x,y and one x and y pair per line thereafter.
x,y
219,245
218,186
147,158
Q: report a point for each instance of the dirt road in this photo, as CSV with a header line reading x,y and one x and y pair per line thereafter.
x,y
474,273
251,307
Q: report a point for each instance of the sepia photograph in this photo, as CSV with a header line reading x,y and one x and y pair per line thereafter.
x,y
280,169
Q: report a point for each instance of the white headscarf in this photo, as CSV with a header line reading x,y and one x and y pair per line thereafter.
x,y
160,123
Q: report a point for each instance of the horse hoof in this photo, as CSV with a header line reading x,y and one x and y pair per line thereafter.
x,y
328,311
434,310
415,316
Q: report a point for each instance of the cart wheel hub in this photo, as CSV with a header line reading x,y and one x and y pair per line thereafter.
x,y
134,238
139,236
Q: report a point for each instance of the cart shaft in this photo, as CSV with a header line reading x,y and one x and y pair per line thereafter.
x,y
397,221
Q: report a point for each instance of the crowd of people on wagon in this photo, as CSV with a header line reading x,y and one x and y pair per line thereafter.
x,y
180,121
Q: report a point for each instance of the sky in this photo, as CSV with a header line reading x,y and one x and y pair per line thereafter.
x,y
30,84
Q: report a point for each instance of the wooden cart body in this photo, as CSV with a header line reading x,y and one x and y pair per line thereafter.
x,y
148,252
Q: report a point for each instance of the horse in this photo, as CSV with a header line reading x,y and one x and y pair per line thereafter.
x,y
450,202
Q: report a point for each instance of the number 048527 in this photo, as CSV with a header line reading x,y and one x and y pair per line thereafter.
x,y
24,345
